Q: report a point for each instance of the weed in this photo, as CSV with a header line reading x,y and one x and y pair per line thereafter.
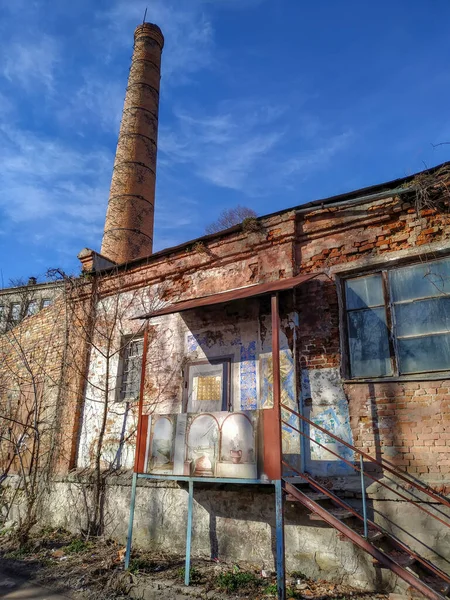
x,y
139,564
194,575
232,582
271,590
199,247
22,551
250,224
77,546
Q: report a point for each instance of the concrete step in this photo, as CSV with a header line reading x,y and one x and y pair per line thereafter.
x,y
339,513
315,496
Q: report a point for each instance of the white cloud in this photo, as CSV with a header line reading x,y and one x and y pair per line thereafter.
x,y
51,187
317,156
30,60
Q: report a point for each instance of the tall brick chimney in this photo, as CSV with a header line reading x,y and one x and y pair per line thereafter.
x,y
128,232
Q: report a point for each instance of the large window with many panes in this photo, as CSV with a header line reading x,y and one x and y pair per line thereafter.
x,y
398,321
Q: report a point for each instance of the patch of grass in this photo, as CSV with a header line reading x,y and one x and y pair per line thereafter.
x,y
271,590
194,575
20,552
139,564
76,546
232,582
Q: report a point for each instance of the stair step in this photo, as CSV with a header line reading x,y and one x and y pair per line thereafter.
x,y
295,480
339,513
315,496
437,584
402,559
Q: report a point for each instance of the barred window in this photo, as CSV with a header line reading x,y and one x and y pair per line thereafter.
x,y
131,363
398,320
15,312
32,308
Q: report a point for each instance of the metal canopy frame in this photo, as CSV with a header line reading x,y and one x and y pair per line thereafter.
x,y
271,424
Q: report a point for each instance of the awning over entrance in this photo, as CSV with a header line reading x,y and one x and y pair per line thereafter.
x,y
237,294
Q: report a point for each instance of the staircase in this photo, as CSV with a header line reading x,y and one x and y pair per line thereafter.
x,y
386,549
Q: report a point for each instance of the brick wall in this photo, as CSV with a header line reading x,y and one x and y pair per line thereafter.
x,y
408,423
405,422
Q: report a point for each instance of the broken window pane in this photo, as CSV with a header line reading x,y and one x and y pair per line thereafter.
x,y
424,280
369,343
423,316
419,305
364,291
425,353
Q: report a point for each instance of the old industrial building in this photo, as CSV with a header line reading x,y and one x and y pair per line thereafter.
x,y
263,367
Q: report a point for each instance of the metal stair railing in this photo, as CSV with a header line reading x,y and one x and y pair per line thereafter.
x,y
385,465
396,541
379,555
364,541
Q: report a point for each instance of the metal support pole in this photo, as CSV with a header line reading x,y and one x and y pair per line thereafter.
x,y
131,520
363,492
187,566
281,576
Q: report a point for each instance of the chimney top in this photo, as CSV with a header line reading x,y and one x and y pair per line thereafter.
x,y
151,30
32,281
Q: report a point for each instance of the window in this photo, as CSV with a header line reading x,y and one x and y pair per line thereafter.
x,y
32,308
207,386
46,302
398,320
15,312
131,363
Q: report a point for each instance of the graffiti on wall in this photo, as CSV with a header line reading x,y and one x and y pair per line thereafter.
x,y
325,403
290,437
249,397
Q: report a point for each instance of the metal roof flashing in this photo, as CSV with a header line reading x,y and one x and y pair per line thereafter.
x,y
228,296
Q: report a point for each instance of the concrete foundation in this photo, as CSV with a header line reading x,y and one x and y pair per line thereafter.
x,y
237,524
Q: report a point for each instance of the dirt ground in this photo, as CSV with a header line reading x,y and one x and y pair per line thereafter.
x,y
94,569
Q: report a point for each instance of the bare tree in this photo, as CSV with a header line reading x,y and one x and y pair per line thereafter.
x,y
229,217
105,354
31,387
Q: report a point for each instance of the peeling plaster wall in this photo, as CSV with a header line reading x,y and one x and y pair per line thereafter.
x,y
324,402
114,314
240,331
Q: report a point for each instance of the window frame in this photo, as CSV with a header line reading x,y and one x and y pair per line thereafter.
x,y
227,400
384,270
123,358
34,302
12,319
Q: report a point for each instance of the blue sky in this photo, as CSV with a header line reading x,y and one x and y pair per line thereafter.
x,y
265,103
